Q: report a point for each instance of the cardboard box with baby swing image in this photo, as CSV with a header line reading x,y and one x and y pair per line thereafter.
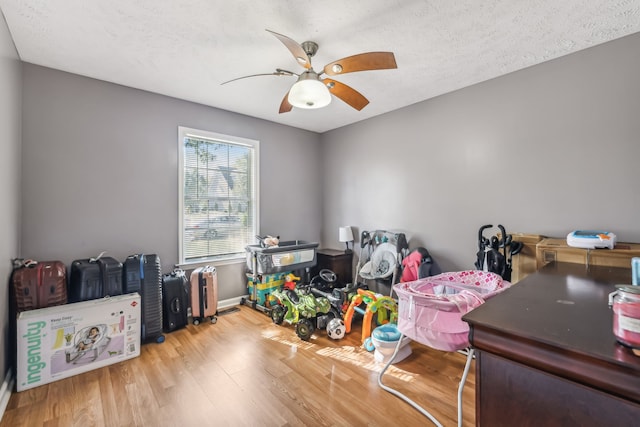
x,y
58,342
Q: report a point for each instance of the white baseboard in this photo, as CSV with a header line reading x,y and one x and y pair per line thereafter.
x,y
5,392
231,302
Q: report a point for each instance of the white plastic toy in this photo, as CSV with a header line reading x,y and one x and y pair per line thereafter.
x,y
591,239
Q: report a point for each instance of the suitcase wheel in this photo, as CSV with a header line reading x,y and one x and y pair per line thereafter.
x,y
160,339
214,319
196,321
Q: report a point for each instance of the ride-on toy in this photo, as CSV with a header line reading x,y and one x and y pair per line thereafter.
x,y
301,308
323,285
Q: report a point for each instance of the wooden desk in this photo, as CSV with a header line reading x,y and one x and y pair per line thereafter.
x,y
547,356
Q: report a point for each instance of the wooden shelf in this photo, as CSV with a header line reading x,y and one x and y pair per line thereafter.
x,y
549,250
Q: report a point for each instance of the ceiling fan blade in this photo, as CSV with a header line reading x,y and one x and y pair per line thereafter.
x,y
361,62
285,107
346,93
278,72
296,50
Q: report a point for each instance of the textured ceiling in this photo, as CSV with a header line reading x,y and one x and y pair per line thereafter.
x,y
185,49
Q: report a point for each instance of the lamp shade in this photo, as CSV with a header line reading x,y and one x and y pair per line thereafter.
x,y
345,234
309,92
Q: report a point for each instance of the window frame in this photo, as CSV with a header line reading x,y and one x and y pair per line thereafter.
x,y
186,132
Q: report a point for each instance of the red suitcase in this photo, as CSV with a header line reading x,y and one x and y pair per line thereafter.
x,y
39,284
204,294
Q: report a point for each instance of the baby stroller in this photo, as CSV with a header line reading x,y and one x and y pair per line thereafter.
x,y
92,340
381,255
495,254
430,311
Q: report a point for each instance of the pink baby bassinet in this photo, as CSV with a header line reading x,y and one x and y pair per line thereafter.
x,y
430,310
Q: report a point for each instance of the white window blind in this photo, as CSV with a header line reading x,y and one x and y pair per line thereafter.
x,y
218,195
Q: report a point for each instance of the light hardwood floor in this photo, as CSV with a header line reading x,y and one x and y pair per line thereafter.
x,y
247,371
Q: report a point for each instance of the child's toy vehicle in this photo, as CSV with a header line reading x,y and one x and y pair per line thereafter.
x,y
323,285
325,281
301,308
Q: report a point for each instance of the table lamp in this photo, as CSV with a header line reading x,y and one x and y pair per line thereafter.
x,y
346,235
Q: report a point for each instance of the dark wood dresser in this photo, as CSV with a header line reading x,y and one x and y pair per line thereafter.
x,y
547,356
337,261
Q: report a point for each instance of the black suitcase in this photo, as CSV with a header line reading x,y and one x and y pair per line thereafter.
x,y
111,273
84,281
132,273
175,300
95,278
142,274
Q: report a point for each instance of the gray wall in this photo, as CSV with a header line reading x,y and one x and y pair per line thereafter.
x,y
10,137
101,171
546,150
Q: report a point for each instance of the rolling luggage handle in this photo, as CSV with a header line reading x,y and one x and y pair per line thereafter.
x,y
141,259
28,263
98,257
203,300
103,275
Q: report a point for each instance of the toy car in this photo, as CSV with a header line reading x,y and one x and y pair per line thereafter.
x,y
323,285
304,310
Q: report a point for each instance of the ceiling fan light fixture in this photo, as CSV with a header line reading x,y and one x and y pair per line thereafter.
x,y
309,92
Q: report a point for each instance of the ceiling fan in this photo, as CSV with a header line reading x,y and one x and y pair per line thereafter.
x,y
312,91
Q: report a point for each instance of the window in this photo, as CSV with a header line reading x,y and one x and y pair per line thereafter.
x,y
218,194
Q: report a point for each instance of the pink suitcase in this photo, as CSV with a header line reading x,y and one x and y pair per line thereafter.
x,y
204,294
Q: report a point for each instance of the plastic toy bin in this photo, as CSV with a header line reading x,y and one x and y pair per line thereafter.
x,y
287,256
263,285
